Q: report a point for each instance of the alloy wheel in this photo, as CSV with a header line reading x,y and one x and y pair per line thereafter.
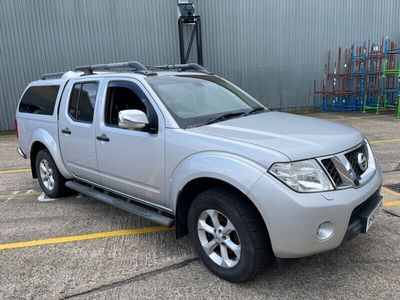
x,y
219,238
46,174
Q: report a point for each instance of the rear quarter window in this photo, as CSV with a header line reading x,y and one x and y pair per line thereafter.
x,y
39,100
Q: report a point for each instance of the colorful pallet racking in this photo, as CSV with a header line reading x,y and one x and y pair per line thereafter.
x,y
364,78
391,77
373,78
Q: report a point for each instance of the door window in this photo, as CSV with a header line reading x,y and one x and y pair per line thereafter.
x,y
82,102
123,96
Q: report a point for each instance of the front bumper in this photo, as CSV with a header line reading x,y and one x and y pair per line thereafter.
x,y
292,218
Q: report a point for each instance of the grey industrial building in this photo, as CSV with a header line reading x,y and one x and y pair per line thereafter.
x,y
273,49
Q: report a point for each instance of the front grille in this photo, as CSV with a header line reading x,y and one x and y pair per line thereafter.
x,y
352,158
331,169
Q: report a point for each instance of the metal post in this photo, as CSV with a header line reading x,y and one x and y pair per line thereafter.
x,y
199,43
181,41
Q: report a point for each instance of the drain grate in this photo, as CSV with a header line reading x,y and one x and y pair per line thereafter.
x,y
395,187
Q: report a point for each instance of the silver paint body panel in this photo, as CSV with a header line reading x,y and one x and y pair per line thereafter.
x,y
153,168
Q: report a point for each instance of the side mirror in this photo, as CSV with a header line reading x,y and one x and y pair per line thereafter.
x,y
132,119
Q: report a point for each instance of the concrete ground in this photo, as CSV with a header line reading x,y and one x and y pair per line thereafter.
x,y
76,247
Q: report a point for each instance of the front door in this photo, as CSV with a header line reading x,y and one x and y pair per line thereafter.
x,y
77,129
131,161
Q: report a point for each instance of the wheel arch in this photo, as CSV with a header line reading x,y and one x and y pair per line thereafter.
x,y
207,169
198,185
41,139
35,148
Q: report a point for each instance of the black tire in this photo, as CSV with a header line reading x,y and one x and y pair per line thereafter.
x,y
252,234
58,189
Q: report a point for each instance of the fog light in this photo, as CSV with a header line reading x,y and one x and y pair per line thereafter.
x,y
324,230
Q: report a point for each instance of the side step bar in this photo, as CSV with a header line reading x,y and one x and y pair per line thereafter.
x,y
121,204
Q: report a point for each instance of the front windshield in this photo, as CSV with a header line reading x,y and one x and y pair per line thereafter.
x,y
193,100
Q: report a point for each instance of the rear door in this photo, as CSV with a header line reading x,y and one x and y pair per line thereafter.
x,y
131,162
77,130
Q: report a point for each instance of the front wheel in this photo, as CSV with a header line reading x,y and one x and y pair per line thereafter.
x,y
228,235
50,179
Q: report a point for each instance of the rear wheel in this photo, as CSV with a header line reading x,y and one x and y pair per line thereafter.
x,y
228,235
50,179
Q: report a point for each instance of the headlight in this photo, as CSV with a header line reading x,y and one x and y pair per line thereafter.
x,y
302,176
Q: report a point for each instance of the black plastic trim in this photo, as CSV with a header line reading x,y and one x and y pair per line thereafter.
x,y
359,216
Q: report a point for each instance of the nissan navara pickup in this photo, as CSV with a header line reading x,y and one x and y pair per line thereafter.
x,y
185,148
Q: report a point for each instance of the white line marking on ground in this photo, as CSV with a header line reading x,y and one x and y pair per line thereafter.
x,y
11,197
8,199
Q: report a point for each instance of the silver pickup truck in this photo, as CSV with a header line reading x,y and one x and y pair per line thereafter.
x,y
186,148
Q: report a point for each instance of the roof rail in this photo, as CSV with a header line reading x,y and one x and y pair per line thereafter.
x,y
52,75
181,67
132,65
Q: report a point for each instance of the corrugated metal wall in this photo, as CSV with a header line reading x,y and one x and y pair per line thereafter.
x,y
273,49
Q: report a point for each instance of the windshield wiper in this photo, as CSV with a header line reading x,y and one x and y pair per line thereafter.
x,y
253,111
223,117
235,114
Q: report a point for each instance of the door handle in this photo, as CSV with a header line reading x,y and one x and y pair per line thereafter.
x,y
103,138
66,131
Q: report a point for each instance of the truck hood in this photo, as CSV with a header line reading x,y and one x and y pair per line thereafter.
x,y
298,137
